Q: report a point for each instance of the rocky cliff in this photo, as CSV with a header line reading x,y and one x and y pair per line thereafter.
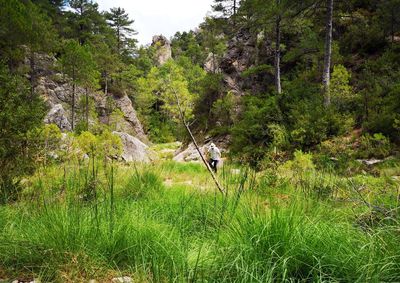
x,y
243,52
56,89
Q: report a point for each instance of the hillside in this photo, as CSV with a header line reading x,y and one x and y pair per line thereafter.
x,y
108,148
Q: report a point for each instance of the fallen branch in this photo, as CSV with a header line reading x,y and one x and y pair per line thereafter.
x,y
182,116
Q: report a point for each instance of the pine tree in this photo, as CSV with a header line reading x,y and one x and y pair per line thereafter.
x,y
77,63
86,21
119,20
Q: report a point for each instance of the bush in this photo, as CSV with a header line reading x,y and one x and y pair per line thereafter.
x,y
377,146
258,131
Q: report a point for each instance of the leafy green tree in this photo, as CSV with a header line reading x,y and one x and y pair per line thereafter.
x,y
187,44
388,12
20,113
158,96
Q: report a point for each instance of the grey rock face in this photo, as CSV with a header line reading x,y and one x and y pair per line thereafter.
x,y
211,65
125,279
237,59
56,89
58,116
163,49
133,148
125,104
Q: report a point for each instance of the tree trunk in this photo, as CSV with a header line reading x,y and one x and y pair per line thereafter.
x,y
328,54
278,53
119,40
234,12
73,100
33,72
73,107
106,84
87,109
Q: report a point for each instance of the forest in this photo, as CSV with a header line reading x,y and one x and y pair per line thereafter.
x,y
105,144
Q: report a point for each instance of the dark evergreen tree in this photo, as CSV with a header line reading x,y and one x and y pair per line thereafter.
x,y
20,113
119,20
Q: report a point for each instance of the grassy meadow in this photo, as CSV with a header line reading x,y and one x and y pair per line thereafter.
x,y
165,222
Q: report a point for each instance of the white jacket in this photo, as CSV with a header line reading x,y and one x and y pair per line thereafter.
x,y
214,152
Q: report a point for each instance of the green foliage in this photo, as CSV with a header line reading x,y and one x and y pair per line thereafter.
x,y
224,110
377,146
181,234
253,135
104,145
301,163
119,20
47,141
77,62
23,23
163,94
20,113
340,90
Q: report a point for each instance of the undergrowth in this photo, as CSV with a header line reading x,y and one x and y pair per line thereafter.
x,y
265,229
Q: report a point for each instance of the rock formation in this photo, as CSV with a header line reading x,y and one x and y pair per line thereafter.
x,y
237,59
133,148
163,49
58,116
56,90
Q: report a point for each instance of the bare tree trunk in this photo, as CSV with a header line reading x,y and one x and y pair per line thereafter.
x,y
73,100
73,107
106,84
119,40
328,54
220,188
233,16
87,109
33,72
278,53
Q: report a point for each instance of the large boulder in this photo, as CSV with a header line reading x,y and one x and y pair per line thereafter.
x,y
189,152
163,49
57,115
133,148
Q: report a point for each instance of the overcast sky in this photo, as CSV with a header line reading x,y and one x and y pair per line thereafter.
x,y
161,16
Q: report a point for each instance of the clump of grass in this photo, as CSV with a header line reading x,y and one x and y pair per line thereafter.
x,y
143,183
295,244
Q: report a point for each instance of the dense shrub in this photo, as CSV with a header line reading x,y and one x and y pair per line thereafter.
x,y
20,113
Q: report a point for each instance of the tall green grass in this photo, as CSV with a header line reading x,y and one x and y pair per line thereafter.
x,y
141,228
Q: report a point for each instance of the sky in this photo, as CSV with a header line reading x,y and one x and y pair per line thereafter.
x,y
166,17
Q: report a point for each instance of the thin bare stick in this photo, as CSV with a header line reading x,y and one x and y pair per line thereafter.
x,y
220,188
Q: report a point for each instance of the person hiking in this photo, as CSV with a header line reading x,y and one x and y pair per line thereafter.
x,y
215,156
